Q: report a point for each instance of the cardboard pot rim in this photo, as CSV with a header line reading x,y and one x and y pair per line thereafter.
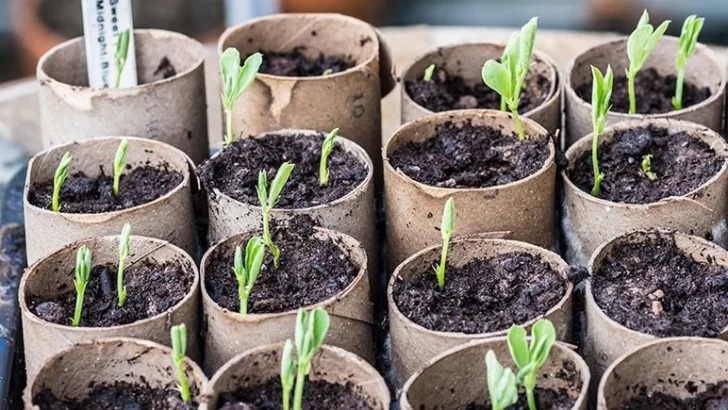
x,y
187,176
442,117
30,315
708,54
485,242
357,250
584,144
156,34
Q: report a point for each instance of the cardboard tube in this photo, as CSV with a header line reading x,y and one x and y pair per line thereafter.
x,y
169,217
53,275
414,345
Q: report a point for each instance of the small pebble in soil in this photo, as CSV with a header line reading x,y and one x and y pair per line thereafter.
x,y
297,63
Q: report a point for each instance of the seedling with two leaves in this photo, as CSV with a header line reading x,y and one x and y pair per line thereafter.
x,y
640,45
247,273
688,40
235,80
268,200
601,94
178,336
446,230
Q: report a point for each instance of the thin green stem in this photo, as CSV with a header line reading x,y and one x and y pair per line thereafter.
x,y
441,267
228,127
56,202
243,300
595,165
519,126
679,88
184,386
503,104
530,384
630,89
266,228
531,399
79,308
286,399
119,71
117,179
298,394
120,291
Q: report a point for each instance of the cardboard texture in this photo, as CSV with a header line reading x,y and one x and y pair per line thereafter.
x,y
457,377
169,217
525,208
588,221
172,110
667,366
330,364
414,345
74,371
702,69
230,333
53,275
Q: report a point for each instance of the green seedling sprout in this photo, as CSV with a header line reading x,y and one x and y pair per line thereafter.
x,y
124,247
326,149
327,71
122,51
59,179
235,80
506,77
530,358
83,272
501,382
446,229
119,162
179,349
247,274
688,40
640,44
647,167
288,373
269,200
601,94
429,71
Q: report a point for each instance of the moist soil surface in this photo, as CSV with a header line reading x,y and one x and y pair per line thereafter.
x,y
546,399
82,194
317,395
152,289
296,64
470,156
714,398
235,170
653,93
120,395
446,92
483,296
654,287
681,163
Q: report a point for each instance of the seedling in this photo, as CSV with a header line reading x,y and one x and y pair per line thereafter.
x,y
327,71
179,349
83,272
506,77
688,39
530,358
326,149
647,167
122,51
446,229
601,94
248,273
58,180
269,200
124,246
429,71
288,373
640,44
119,162
235,80
502,383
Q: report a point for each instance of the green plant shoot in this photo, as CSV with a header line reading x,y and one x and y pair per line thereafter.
x,y
326,149
446,229
122,52
501,382
83,272
235,80
179,349
647,167
601,94
640,45
506,77
119,162
247,274
688,40
429,71
288,373
124,247
530,358
59,179
327,71
268,201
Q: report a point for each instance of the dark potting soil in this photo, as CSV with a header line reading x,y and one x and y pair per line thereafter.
x,y
317,395
82,194
120,395
653,93
235,170
296,64
714,398
470,156
165,69
654,287
484,295
152,288
450,92
546,399
681,162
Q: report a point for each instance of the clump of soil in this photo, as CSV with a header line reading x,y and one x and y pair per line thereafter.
x,y
482,296
119,395
714,398
681,162
295,64
470,156
152,288
654,287
82,194
235,170
165,68
446,92
546,399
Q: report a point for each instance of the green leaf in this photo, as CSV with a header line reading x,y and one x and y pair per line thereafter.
x,y
448,220
644,19
501,382
518,346
83,265
320,327
494,371
429,71
58,179
527,39
689,38
543,337
179,341
288,366
230,71
247,74
326,149
263,188
279,182
636,45
655,38
498,78
254,255
238,267
301,322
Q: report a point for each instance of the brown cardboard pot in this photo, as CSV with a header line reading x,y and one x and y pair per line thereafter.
x,y
664,366
75,370
229,333
414,345
606,339
467,60
172,110
525,208
588,221
53,275
702,69
169,217
457,377
330,364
